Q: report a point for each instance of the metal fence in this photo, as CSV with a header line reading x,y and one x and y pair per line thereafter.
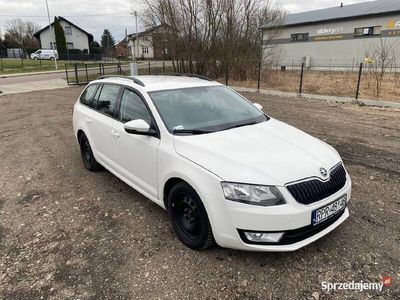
x,y
24,54
363,81
82,73
12,53
325,70
16,61
22,64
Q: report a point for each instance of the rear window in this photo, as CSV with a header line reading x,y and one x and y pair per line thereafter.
x,y
87,95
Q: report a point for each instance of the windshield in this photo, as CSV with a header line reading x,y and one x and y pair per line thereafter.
x,y
204,109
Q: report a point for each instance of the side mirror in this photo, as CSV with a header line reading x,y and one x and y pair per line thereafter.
x,y
138,126
257,105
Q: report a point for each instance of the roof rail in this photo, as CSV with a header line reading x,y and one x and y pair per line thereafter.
x,y
188,75
135,80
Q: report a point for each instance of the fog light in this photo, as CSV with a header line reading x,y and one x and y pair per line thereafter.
x,y
259,237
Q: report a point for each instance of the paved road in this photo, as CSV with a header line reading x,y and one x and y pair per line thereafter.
x,y
66,233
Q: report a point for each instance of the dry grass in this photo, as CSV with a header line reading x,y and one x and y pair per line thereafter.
x,y
333,83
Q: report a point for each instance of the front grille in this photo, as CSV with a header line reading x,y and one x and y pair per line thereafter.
x,y
311,191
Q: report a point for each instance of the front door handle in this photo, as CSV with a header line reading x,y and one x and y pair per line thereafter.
x,y
88,120
115,133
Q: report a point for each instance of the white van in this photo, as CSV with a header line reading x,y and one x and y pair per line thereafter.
x,y
44,54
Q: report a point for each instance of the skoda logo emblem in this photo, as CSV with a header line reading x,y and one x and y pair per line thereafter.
x,y
323,172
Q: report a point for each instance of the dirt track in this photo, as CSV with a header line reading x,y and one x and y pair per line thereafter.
x,y
67,233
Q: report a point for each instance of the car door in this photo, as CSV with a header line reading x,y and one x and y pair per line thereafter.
x,y
136,154
101,123
45,55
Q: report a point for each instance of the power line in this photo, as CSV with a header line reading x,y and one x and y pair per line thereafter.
x,y
76,16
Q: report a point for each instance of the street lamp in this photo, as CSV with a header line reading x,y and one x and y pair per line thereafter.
x,y
51,36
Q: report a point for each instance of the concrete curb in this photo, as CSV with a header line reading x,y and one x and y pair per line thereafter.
x,y
32,73
366,102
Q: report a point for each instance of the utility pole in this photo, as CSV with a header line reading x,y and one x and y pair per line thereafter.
x,y
137,38
51,36
135,51
126,42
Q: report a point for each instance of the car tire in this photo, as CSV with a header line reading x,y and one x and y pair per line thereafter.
x,y
189,217
35,58
87,155
51,58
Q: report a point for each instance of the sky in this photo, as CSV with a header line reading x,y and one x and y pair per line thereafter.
x,y
95,15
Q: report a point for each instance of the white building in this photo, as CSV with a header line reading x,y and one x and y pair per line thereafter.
x,y
151,43
341,36
143,48
75,37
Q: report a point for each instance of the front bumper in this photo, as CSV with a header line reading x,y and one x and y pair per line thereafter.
x,y
296,245
292,218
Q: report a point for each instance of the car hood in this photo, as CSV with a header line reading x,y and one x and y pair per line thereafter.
x,y
271,153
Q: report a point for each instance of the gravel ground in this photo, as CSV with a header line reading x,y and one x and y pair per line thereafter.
x,y
66,233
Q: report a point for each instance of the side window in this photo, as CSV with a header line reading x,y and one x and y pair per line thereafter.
x,y
87,95
107,99
133,108
68,30
297,37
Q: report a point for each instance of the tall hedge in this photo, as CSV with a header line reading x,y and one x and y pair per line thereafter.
x,y
60,38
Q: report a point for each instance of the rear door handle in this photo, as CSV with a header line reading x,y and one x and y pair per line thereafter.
x,y
88,120
115,133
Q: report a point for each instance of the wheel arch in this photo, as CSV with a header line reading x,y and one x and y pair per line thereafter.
x,y
79,134
169,184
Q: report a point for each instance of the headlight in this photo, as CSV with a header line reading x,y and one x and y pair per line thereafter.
x,y
262,195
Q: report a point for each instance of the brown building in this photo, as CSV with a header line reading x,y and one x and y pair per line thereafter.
x,y
121,49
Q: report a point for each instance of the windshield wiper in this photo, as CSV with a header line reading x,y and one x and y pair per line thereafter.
x,y
202,131
192,131
240,125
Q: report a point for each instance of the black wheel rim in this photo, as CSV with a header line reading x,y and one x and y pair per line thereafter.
x,y
187,215
87,152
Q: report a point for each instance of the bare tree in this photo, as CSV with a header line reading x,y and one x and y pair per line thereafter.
x,y
210,35
380,57
21,33
271,19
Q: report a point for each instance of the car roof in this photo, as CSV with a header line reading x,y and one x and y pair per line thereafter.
x,y
151,83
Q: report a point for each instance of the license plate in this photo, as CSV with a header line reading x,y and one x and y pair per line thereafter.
x,y
321,214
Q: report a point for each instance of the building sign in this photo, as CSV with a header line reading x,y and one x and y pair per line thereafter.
x,y
393,24
393,27
393,33
328,38
326,31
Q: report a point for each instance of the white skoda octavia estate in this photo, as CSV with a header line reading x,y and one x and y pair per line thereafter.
x,y
226,172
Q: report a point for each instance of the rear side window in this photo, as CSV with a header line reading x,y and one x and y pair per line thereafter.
x,y
107,99
87,95
133,108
